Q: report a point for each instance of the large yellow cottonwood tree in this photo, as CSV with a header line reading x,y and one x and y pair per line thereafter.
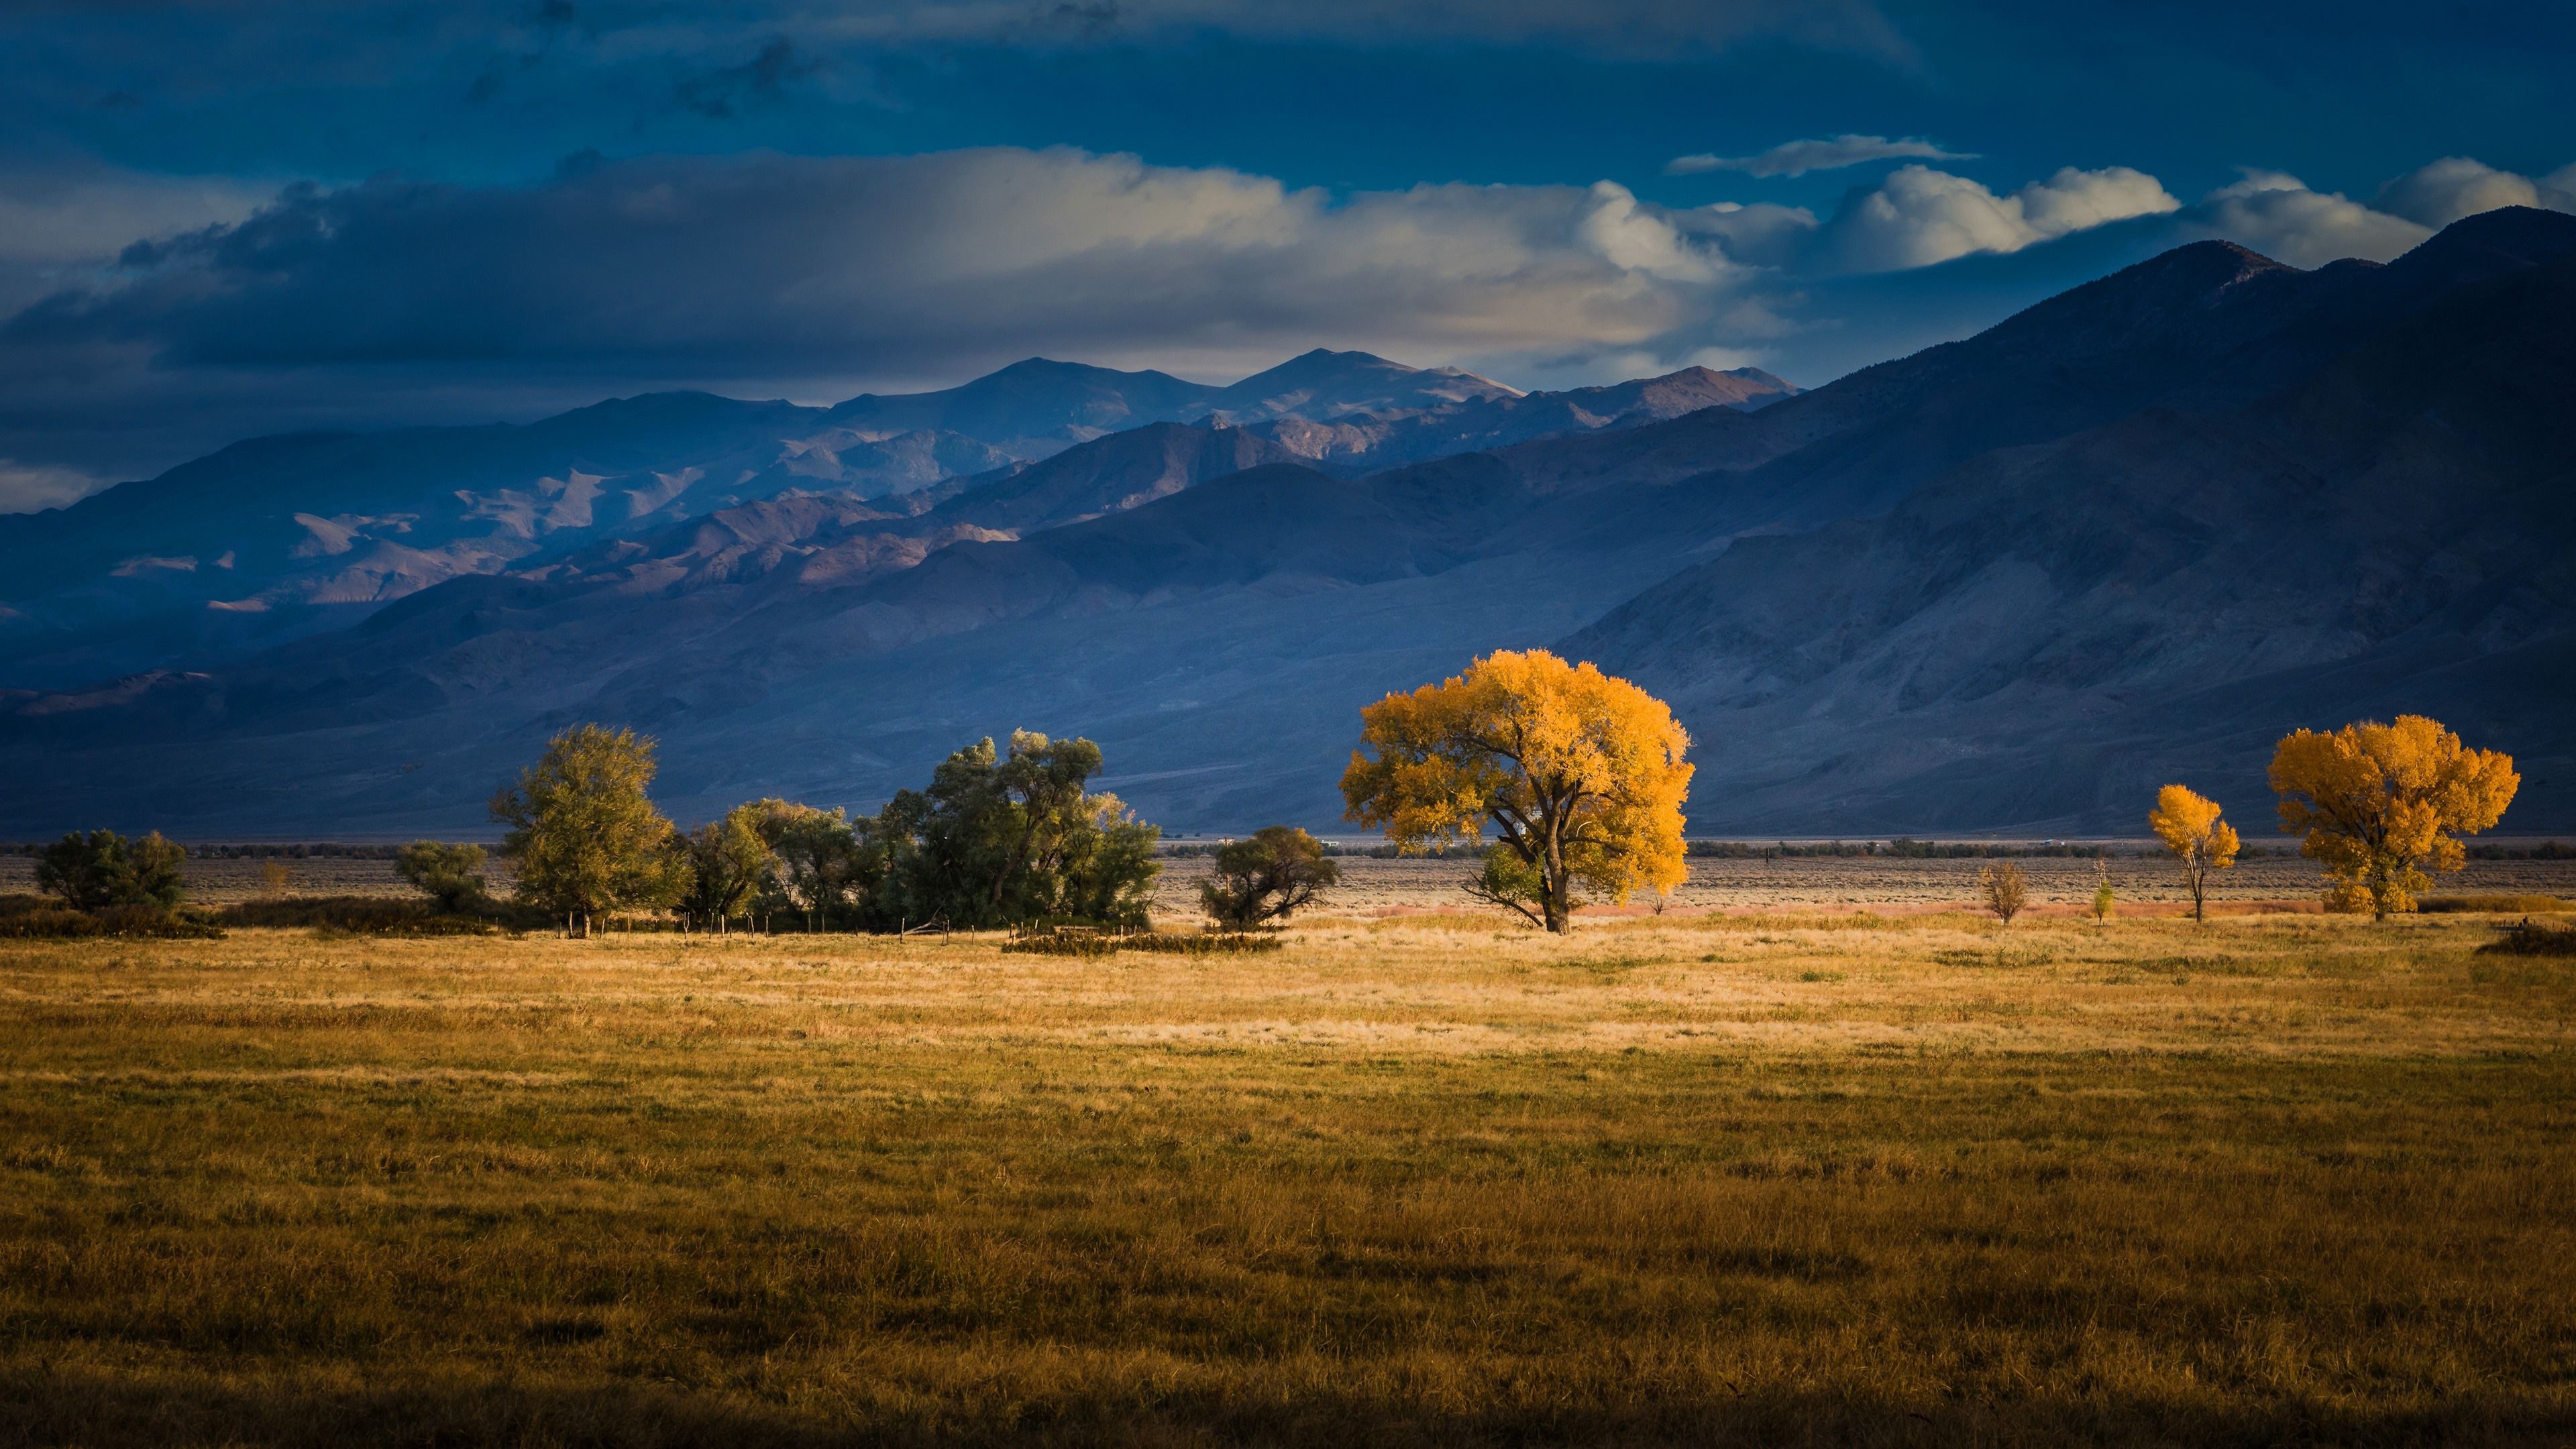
x,y
1580,775
2187,822
2379,803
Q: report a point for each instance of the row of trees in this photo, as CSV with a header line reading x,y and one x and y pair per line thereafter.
x,y
2376,805
1581,777
998,838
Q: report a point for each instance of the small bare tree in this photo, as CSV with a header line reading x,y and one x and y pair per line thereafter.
x,y
2007,891
275,876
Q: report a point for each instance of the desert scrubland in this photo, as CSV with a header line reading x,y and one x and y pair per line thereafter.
x,y
1809,1175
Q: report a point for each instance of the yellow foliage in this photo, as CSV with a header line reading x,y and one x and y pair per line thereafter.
x,y
2187,822
1580,774
2379,803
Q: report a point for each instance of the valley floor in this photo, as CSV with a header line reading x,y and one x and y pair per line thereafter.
x,y
1793,1178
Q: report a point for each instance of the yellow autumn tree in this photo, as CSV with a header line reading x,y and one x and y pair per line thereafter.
x,y
1580,775
2187,822
2381,803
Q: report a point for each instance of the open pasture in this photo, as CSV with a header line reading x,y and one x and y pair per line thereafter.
x,y
1806,1177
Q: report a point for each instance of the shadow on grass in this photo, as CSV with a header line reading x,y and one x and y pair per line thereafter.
x,y
97,1410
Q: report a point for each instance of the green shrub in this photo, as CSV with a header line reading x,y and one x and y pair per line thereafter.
x,y
451,875
50,922
359,915
102,868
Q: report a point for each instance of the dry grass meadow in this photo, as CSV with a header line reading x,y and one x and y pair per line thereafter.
x,y
1803,1177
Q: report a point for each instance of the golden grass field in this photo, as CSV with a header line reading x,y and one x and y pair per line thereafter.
x,y
1809,1178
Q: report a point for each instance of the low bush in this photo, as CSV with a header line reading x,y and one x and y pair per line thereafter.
x,y
1213,943
1062,944
357,915
1094,943
2531,940
48,922
52,922
2498,905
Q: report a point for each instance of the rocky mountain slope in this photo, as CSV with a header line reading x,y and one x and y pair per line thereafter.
x,y
2009,583
2046,633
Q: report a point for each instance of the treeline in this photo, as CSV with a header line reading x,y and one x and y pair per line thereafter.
x,y
1460,850
2546,850
307,850
1907,848
999,837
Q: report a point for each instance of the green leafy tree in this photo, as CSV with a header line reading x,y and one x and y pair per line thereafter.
x,y
96,869
727,862
1105,871
823,866
1004,839
451,875
583,835
1268,876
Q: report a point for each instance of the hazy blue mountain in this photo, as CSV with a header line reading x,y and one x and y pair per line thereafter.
x,y
280,537
1357,442
2009,583
1036,407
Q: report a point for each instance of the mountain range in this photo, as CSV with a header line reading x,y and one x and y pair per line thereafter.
x,y
280,537
2007,584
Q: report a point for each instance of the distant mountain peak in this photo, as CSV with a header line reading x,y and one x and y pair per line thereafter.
x,y
2491,243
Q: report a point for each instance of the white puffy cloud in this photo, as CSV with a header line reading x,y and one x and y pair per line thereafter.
x,y
710,266
1797,158
1919,216
2278,215
2443,191
1642,240
817,277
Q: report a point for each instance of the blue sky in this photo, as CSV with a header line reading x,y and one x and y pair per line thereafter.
x,y
219,219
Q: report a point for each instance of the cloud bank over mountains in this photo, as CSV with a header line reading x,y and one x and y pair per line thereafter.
x,y
823,276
